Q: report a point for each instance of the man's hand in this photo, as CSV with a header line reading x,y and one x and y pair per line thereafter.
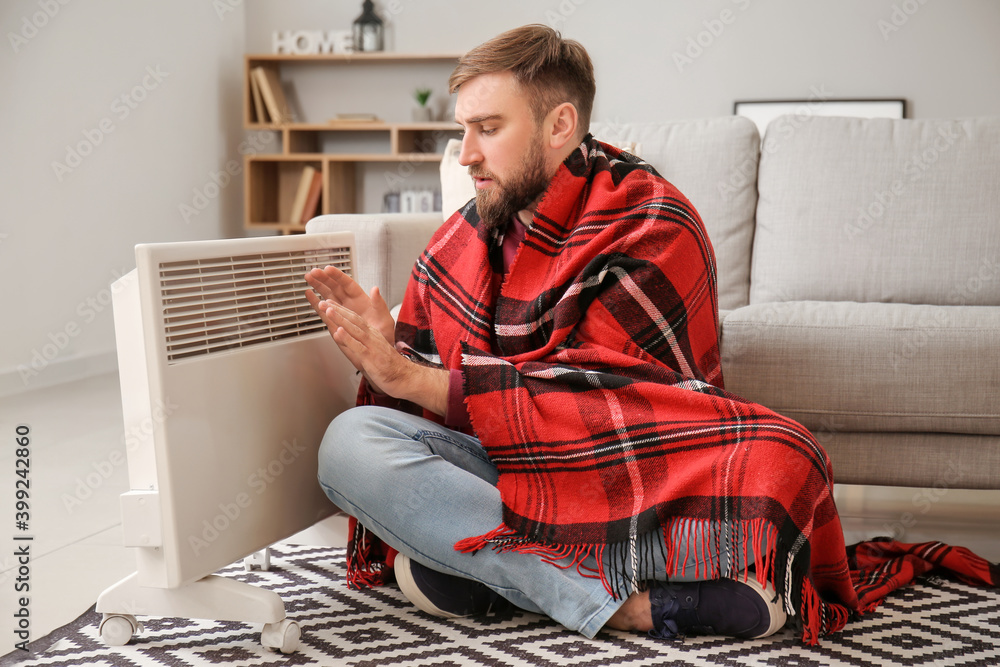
x,y
334,285
359,323
384,367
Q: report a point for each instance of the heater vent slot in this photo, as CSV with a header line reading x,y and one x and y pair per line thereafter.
x,y
225,303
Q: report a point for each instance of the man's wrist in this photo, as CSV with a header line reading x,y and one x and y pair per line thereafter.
x,y
427,387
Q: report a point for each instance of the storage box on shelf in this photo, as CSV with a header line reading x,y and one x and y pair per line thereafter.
x,y
340,150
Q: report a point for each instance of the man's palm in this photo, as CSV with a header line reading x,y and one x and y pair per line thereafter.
x,y
333,284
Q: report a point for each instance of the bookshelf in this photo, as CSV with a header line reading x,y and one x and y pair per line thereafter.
x,y
352,156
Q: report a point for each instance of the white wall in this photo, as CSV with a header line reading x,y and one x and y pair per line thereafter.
x,y
943,57
63,241
65,234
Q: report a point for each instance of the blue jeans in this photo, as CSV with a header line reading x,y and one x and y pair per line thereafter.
x,y
422,487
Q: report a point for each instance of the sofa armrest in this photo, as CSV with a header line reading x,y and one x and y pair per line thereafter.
x,y
386,246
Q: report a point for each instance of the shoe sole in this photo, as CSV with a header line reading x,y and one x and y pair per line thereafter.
x,y
777,612
404,578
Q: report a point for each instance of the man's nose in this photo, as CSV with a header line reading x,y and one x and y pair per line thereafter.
x,y
470,153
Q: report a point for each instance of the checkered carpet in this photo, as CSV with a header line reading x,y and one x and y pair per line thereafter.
x,y
934,622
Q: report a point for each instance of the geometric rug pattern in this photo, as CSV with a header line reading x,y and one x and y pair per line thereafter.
x,y
932,622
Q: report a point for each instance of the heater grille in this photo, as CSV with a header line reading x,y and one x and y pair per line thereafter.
x,y
224,303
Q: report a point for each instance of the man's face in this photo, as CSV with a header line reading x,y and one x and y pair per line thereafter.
x,y
502,146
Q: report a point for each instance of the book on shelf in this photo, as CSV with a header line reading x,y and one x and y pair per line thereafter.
x,y
301,194
312,199
260,113
273,94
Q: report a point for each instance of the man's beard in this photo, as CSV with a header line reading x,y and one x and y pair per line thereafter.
x,y
498,204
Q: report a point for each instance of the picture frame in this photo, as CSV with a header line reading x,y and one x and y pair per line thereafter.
x,y
762,112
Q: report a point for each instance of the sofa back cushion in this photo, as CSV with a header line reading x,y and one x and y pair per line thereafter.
x,y
878,210
713,162
457,187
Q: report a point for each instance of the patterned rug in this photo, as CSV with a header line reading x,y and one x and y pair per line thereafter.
x,y
934,622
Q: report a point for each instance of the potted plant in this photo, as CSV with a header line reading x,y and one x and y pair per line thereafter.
x,y
423,112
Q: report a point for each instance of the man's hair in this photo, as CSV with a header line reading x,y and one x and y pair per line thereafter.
x,y
549,69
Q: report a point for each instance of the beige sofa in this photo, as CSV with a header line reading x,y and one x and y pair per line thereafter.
x,y
859,279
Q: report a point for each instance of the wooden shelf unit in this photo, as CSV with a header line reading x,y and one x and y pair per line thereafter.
x,y
271,180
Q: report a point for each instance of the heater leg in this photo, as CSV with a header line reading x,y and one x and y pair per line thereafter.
x,y
213,597
261,558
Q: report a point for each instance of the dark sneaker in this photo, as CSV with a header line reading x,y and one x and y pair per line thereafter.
x,y
445,595
722,607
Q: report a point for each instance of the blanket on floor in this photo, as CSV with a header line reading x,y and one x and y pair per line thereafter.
x,y
593,378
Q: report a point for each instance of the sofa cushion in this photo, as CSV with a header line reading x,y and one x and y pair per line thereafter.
x,y
714,163
878,210
868,366
937,461
457,187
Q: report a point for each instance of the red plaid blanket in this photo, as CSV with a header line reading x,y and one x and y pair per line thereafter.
x,y
592,377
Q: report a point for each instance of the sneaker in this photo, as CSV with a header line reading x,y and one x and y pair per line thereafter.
x,y
444,595
721,607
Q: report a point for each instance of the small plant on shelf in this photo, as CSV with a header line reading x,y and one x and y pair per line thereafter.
x,y
422,112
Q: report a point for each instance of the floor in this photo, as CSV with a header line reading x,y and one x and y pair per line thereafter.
x,y
78,471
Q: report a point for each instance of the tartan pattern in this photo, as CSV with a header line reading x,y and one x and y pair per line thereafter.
x,y
593,379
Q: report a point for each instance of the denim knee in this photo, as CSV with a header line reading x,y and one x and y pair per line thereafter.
x,y
339,458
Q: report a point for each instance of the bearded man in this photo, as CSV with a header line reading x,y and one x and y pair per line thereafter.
x,y
546,424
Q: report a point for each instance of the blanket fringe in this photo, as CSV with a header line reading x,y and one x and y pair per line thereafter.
x,y
819,618
745,539
622,567
811,611
876,567
365,568
751,544
563,556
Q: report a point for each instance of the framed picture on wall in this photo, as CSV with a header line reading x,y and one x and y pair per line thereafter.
x,y
762,112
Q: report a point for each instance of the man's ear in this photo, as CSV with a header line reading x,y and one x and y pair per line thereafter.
x,y
563,121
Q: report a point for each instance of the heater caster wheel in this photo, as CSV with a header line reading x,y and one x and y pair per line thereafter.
x,y
282,636
118,629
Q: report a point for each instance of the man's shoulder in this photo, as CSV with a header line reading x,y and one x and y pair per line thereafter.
x,y
633,180
626,171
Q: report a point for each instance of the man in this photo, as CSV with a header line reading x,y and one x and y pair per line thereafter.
x,y
545,424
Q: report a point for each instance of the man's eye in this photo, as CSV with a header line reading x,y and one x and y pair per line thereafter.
x,y
489,131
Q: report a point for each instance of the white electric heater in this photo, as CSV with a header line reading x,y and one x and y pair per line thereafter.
x,y
229,380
